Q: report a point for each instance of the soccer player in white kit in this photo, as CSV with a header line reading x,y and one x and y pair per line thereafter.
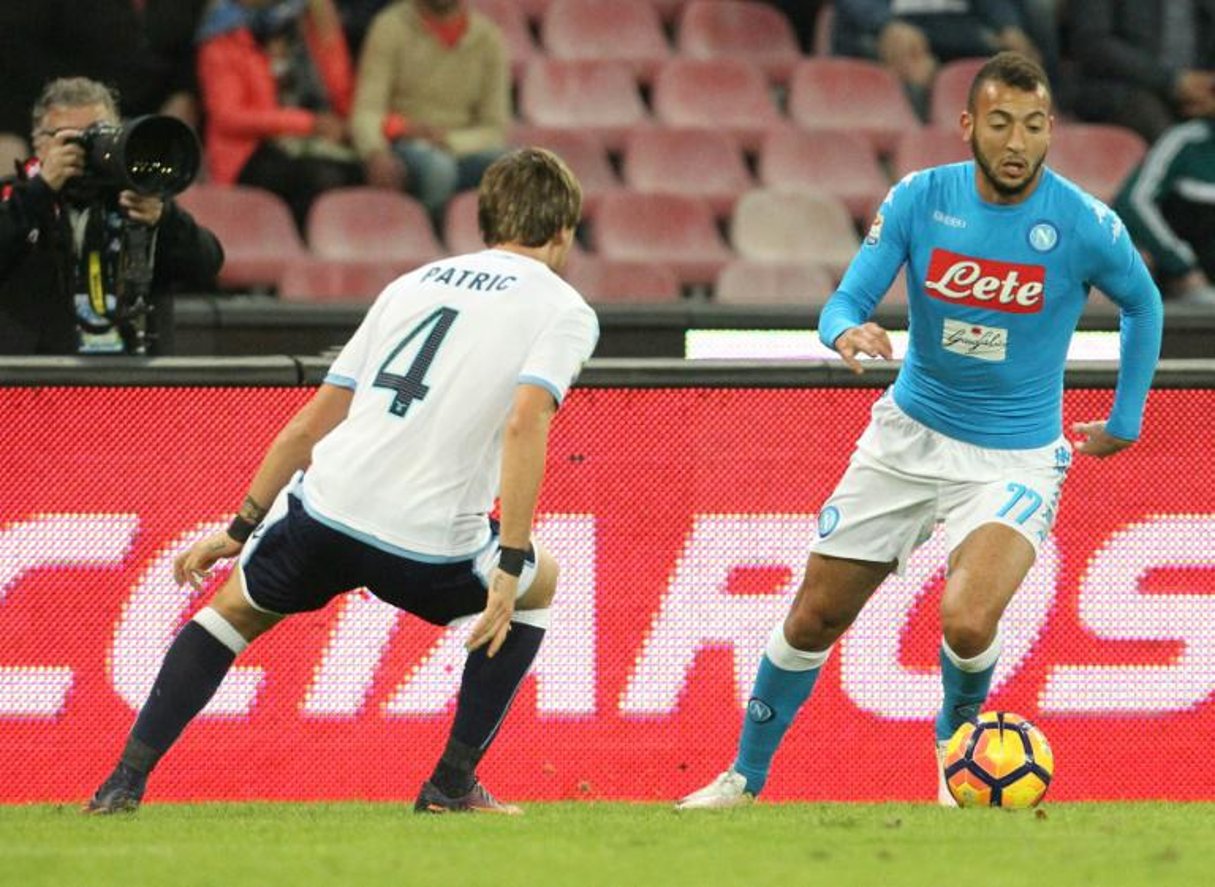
x,y
386,477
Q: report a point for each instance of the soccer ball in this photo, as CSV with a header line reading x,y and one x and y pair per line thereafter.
x,y
998,760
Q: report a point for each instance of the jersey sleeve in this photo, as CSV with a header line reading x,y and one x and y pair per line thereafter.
x,y
1115,267
873,268
347,369
563,346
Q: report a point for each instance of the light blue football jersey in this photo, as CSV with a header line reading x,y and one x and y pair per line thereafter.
x,y
994,294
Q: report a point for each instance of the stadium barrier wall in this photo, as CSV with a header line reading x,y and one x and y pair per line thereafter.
x,y
680,501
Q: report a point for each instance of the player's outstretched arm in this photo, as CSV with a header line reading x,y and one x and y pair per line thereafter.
x,y
290,452
868,338
1096,441
524,448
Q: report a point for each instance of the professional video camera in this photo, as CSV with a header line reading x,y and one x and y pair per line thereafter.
x,y
153,154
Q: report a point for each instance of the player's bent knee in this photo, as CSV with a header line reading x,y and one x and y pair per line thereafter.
x,y
968,635
809,628
229,602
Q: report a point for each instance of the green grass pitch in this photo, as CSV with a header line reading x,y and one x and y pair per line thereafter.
x,y
638,845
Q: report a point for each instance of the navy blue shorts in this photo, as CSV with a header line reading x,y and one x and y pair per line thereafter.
x,y
299,565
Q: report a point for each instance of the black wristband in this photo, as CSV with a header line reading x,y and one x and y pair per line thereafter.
x,y
241,529
510,560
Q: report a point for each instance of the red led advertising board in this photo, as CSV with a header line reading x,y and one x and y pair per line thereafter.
x,y
681,518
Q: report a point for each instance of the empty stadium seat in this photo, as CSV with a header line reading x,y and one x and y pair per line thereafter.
x,y
13,150
511,20
582,151
461,231
601,98
757,32
951,89
750,282
842,164
777,225
1097,157
662,228
371,224
929,146
606,30
255,227
599,279
728,94
850,94
698,162
326,280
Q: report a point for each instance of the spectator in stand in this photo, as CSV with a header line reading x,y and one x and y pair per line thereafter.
x,y
913,37
277,82
1168,205
143,48
803,16
1143,64
433,99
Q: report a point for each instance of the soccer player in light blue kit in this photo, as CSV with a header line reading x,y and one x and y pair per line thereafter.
x,y
1000,254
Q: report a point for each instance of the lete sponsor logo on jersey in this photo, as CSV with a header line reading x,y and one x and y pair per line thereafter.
x,y
985,283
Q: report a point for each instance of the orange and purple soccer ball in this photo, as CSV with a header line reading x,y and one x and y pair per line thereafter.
x,y
998,760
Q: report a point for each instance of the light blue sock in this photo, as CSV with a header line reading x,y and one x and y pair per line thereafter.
x,y
786,677
966,683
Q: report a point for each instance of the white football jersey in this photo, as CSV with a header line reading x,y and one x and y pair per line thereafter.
x,y
414,468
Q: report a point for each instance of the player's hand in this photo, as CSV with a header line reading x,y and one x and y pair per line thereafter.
x,y
494,623
1097,441
194,564
62,159
869,339
144,208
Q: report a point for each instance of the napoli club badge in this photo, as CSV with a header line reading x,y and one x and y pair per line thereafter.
x,y
1043,237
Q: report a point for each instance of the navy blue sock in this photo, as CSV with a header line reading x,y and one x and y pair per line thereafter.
x,y
486,692
964,691
775,700
191,672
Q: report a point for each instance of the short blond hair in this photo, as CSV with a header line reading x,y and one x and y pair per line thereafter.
x,y
528,197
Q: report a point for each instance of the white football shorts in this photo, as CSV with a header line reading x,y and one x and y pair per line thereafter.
x,y
904,478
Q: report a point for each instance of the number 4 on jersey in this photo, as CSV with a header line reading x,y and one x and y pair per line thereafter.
x,y
417,353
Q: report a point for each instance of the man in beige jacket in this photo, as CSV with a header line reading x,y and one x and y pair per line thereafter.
x,y
433,99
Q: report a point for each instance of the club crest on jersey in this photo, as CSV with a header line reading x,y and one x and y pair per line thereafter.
x,y
828,520
985,283
1043,237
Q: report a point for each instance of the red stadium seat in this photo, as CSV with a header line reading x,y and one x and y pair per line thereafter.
x,y
612,280
930,146
461,231
606,30
1097,157
600,98
756,32
728,94
772,225
669,9
749,282
327,280
255,227
371,224
13,150
664,228
585,155
512,21
850,94
951,89
842,164
697,162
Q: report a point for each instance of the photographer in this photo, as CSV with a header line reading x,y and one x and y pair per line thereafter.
x,y
77,251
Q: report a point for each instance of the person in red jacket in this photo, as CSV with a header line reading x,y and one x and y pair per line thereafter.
x,y
277,82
